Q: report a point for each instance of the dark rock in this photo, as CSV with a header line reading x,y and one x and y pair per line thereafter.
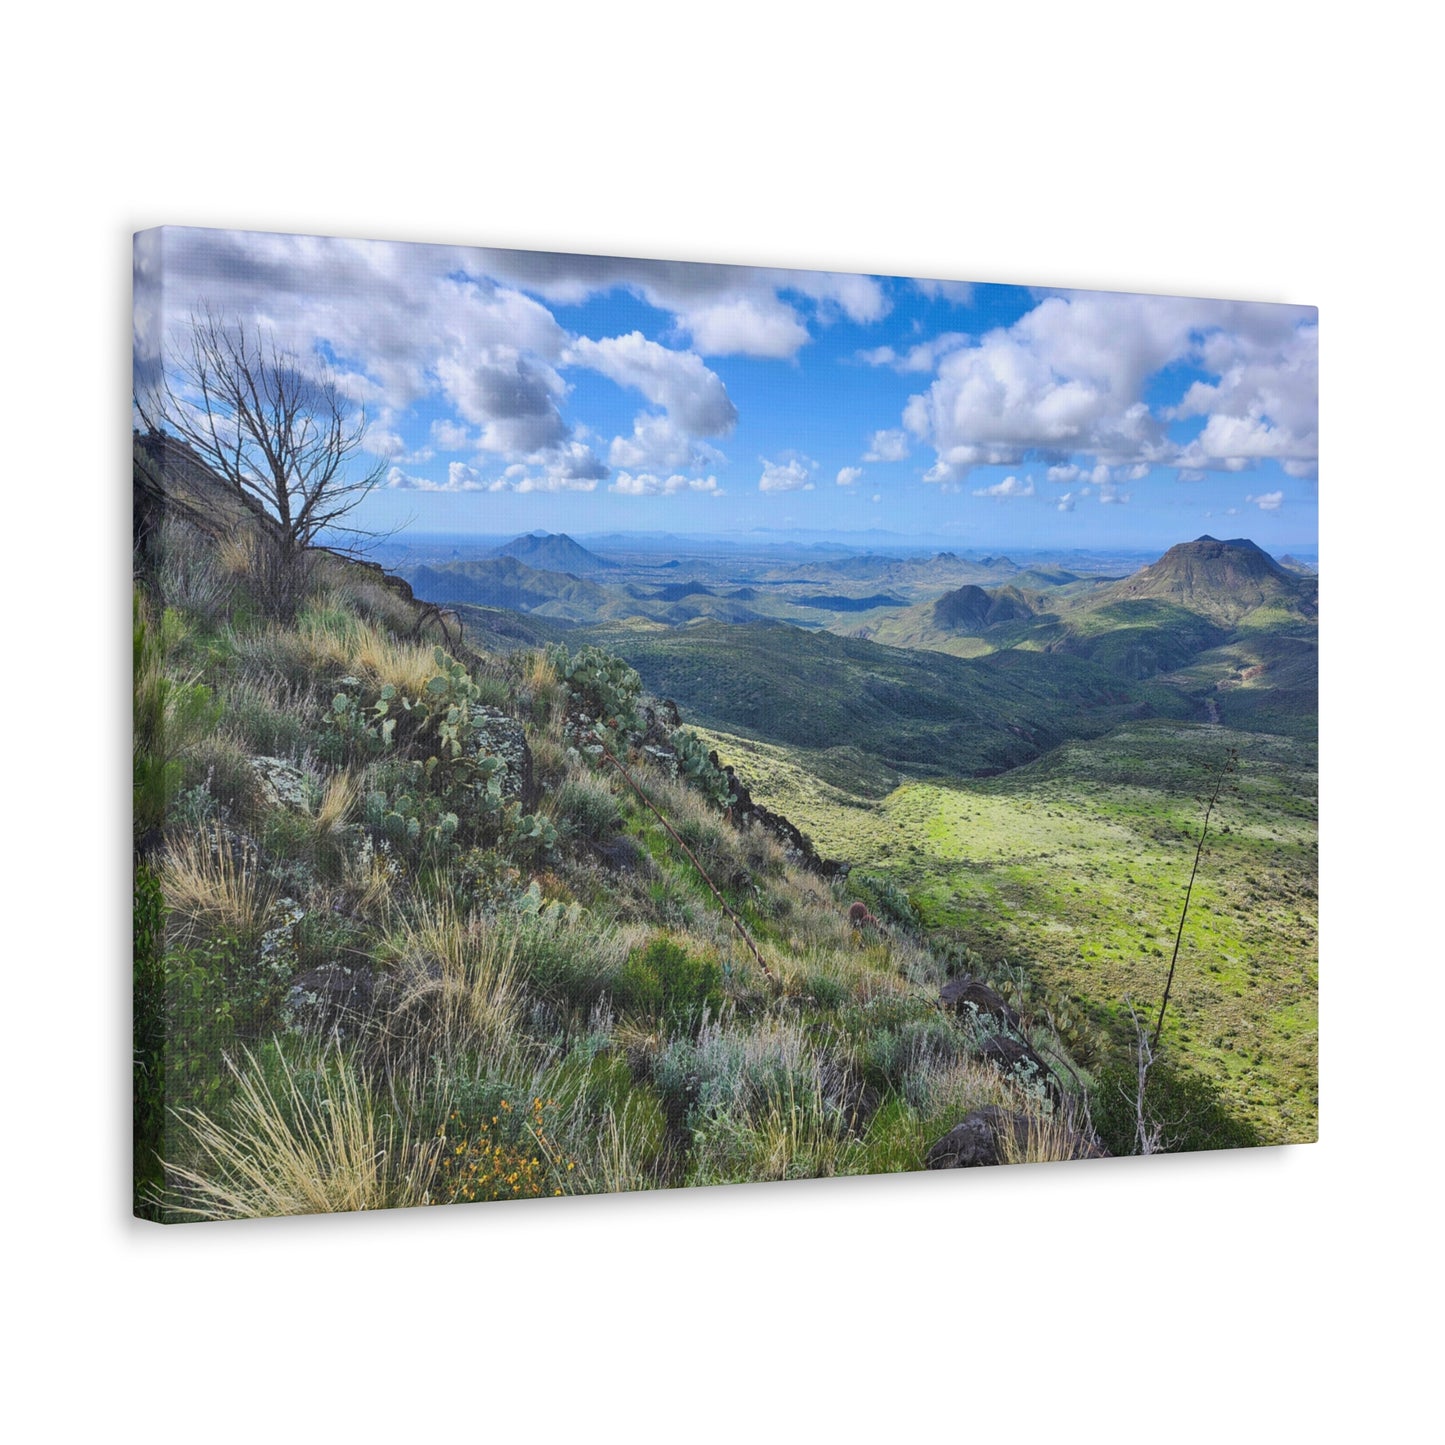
x,y
331,998
1012,1056
965,994
974,1143
621,853
795,843
977,1141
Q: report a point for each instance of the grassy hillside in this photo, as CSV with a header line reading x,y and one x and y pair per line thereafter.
x,y
1075,866
406,934
866,714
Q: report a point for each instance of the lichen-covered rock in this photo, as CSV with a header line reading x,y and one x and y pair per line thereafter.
x,y
282,784
1012,1056
502,736
968,995
278,951
331,999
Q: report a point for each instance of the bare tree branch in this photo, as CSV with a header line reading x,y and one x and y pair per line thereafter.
x,y
278,434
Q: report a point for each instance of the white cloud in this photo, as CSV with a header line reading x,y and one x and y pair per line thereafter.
x,y
1097,475
746,326
513,397
1069,377
459,479
727,310
922,357
1065,503
877,496
647,485
790,475
1269,502
887,446
1009,487
693,397
1110,495
848,475
659,445
382,442
450,436
959,292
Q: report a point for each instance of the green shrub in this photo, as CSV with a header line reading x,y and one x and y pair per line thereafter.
x,y
169,716
884,898
148,1037
1190,1108
664,981
587,809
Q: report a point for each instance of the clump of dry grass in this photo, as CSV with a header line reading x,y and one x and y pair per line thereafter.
x,y
214,883
1048,1139
189,574
331,642
459,989
290,1150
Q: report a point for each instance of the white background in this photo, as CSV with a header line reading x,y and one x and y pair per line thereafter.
x,y
1251,151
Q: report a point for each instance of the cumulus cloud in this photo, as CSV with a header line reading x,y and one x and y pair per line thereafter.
x,y
380,441
790,475
726,310
450,436
959,292
1065,503
922,357
1009,487
513,397
693,396
1068,378
887,446
459,479
1111,495
647,485
848,475
1269,502
658,444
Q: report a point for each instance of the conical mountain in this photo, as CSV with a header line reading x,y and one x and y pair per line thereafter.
x,y
1223,580
553,552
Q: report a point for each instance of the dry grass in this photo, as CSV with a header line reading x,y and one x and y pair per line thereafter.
x,y
331,643
459,986
1049,1139
287,1152
625,1150
189,574
211,883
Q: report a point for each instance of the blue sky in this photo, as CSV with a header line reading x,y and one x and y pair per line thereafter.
x,y
510,391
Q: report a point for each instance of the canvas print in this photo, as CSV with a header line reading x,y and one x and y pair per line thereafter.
x,y
606,724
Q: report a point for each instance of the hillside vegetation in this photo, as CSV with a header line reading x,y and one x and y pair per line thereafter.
x,y
419,922
1075,866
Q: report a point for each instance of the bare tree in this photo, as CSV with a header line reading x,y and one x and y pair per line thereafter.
x,y
279,435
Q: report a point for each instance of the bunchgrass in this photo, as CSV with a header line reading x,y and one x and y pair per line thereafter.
x,y
303,1142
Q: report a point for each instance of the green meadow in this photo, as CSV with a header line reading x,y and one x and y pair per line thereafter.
x,y
1075,868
